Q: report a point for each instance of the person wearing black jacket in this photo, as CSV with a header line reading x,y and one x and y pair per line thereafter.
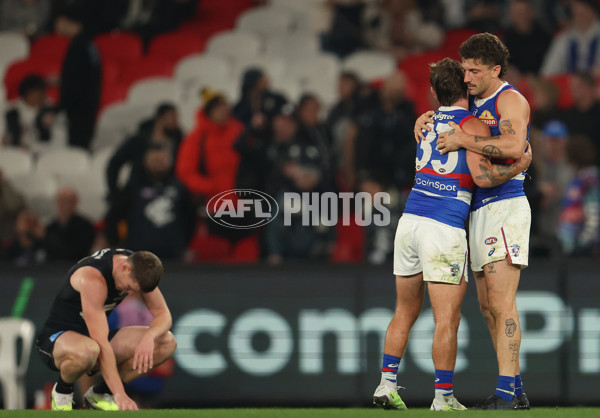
x,y
157,208
163,128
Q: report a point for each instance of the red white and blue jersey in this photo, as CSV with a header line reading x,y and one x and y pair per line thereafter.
x,y
487,111
443,183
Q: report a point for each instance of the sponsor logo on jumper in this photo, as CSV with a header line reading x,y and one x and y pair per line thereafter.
x,y
435,185
491,240
488,119
491,252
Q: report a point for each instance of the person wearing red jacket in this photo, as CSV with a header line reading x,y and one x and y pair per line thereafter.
x,y
207,163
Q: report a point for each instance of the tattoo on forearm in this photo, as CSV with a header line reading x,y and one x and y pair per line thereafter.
x,y
511,327
495,175
506,127
514,347
486,138
491,151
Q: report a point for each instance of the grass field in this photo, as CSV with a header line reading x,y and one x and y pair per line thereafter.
x,y
302,413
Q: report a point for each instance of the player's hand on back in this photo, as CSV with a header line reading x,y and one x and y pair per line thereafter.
x,y
125,402
143,354
525,160
451,140
421,124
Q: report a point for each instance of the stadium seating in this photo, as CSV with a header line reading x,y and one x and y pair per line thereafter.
x,y
266,21
50,46
416,67
13,47
17,71
291,45
175,45
273,65
63,162
15,161
117,121
205,67
324,89
15,349
370,65
234,44
453,39
91,190
324,65
122,47
561,81
154,90
39,190
148,66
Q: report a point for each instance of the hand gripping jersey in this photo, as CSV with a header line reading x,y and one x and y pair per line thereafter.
x,y
443,183
66,312
486,111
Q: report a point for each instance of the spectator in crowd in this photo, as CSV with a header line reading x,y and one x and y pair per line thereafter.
x,y
156,208
578,47
163,128
259,146
28,245
554,176
379,240
525,38
304,166
69,236
545,95
30,120
579,229
345,34
257,103
25,16
207,162
383,144
484,15
11,204
582,116
80,79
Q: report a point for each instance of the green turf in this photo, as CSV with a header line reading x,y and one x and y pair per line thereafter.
x,y
303,413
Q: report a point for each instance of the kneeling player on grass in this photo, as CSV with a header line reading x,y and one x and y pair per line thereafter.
x,y
431,245
75,339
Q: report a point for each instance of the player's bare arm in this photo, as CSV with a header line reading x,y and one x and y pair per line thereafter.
x,y
90,284
422,124
487,174
161,323
510,144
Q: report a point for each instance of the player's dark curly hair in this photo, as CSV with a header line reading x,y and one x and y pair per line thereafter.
x,y
447,79
146,269
487,49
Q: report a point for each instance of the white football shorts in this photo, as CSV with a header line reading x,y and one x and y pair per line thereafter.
x,y
499,229
434,248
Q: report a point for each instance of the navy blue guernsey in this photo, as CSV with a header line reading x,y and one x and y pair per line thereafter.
x,y
487,111
66,312
443,183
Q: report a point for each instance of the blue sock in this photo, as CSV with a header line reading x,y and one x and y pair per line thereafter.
x,y
505,388
444,382
389,369
518,385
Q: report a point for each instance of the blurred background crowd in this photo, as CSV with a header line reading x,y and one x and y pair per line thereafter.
x,y
121,119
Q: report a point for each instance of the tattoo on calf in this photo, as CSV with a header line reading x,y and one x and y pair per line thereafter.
x,y
514,347
506,127
511,327
491,151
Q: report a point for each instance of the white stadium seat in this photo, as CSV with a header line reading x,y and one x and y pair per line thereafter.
x,y
13,46
266,21
203,66
91,190
324,65
272,65
154,90
233,44
370,65
39,190
118,121
64,162
289,87
15,161
324,89
292,45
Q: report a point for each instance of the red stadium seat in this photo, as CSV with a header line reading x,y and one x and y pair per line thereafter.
x,y
453,39
416,67
565,100
149,66
175,45
349,246
50,46
121,47
246,250
17,71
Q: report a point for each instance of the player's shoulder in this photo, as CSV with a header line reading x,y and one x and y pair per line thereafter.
x,y
511,95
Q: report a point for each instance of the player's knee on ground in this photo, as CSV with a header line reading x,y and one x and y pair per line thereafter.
x,y
84,357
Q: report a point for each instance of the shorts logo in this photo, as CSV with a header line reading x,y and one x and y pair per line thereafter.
x,y
491,252
454,270
515,249
491,240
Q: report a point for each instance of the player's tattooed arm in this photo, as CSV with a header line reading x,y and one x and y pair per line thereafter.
x,y
506,127
488,174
